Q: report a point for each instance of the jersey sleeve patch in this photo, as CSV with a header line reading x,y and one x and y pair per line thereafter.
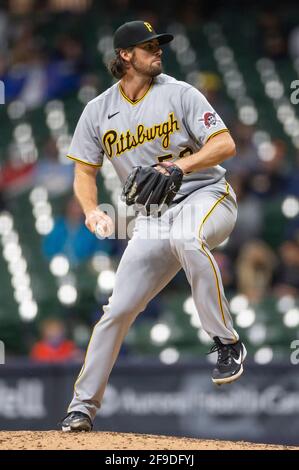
x,y
209,119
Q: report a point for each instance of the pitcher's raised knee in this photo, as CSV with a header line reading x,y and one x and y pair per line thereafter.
x,y
183,242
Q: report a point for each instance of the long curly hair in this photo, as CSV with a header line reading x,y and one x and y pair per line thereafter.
x,y
118,66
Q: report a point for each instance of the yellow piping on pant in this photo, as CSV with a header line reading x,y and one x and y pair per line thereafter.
x,y
207,254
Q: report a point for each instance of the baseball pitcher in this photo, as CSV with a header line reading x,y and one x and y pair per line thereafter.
x,y
166,144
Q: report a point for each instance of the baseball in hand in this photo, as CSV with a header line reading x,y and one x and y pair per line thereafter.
x,y
99,223
104,229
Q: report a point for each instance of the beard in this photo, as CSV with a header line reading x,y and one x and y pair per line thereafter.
x,y
150,71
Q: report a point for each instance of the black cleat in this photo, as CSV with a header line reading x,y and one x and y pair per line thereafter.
x,y
76,421
230,360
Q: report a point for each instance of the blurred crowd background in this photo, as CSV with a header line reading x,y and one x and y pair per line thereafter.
x,y
55,275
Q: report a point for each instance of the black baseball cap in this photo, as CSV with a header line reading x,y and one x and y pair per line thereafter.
x,y
136,32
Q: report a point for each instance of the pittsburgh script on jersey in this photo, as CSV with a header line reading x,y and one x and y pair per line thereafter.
x,y
117,143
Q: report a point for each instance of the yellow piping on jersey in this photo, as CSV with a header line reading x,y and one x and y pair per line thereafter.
x,y
216,133
139,99
209,257
83,161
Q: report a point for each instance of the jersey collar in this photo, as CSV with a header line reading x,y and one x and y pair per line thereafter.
x,y
137,101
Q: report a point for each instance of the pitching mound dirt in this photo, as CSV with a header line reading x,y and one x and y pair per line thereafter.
x,y
56,440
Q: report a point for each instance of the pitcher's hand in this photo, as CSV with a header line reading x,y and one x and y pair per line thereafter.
x,y
99,223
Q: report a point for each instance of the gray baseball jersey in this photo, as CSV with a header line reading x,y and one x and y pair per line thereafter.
x,y
172,120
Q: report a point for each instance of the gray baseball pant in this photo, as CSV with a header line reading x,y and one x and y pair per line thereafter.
x,y
182,237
